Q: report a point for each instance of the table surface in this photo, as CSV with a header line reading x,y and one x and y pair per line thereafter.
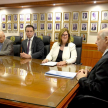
x,y
23,80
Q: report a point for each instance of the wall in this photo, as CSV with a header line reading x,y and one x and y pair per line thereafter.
x,y
91,36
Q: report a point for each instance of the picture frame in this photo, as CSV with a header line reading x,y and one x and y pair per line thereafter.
x,y
84,16
35,25
42,16
66,25
4,26
104,25
57,26
75,16
9,26
74,27
49,16
3,18
93,27
74,34
35,33
41,33
27,24
21,26
28,17
9,18
56,34
94,16
21,18
35,17
104,15
49,34
58,16
84,27
66,16
15,26
15,17
21,34
42,26
49,26
84,37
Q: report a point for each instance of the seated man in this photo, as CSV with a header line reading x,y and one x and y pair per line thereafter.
x,y
32,47
95,82
6,45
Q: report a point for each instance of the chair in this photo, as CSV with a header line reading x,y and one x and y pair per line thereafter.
x,y
16,44
46,41
77,40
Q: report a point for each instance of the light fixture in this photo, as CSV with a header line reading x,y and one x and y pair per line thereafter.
x,y
94,1
54,4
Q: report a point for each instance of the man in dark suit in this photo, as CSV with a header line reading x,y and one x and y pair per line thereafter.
x,y
95,82
32,47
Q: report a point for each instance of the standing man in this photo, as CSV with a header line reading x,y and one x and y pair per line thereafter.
x,y
95,82
32,47
6,45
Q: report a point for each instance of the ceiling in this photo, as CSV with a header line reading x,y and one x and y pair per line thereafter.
x,y
39,3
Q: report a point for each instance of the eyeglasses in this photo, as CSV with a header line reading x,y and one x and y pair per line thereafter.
x,y
64,34
29,31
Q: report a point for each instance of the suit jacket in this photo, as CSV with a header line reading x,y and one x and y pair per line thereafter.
x,y
37,48
68,50
7,48
96,84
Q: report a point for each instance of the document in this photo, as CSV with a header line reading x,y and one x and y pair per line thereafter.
x,y
49,64
55,73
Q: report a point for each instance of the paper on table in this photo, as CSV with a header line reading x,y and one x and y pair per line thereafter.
x,y
61,74
49,64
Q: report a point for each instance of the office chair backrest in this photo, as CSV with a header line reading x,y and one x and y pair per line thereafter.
x,y
46,41
77,40
16,44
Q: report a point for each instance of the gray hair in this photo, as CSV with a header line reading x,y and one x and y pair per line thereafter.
x,y
104,33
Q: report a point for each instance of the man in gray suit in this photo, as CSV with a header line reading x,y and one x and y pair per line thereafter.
x,y
6,45
32,47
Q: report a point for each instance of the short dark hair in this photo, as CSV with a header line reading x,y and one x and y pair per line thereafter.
x,y
29,26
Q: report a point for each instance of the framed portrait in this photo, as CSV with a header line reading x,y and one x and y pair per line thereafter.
x,y
27,24
74,27
84,16
49,27
42,16
21,34
75,16
94,16
74,34
15,26
21,26
49,34
66,16
9,26
35,33
3,18
57,26
42,26
21,17
9,18
35,25
56,34
15,17
58,16
41,33
94,27
84,27
104,25
35,16
28,17
84,37
104,15
3,26
50,16
66,25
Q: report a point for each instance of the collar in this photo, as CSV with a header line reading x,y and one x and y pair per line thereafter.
x,y
65,45
105,52
30,38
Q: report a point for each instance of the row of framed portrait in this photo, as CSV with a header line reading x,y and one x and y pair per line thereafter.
x,y
49,26
94,16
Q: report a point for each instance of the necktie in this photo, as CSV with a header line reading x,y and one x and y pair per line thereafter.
x,y
28,46
1,44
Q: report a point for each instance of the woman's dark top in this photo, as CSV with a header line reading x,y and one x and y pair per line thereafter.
x,y
59,58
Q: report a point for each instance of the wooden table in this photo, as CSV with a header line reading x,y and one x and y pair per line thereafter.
x,y
23,84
